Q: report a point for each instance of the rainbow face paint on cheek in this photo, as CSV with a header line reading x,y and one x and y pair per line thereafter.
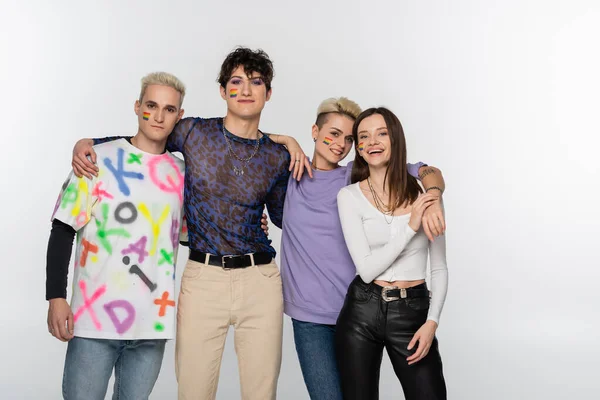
x,y
361,146
233,93
146,116
327,140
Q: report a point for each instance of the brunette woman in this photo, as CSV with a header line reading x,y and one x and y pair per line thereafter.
x,y
389,304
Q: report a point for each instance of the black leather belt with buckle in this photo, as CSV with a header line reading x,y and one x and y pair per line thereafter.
x,y
234,261
391,293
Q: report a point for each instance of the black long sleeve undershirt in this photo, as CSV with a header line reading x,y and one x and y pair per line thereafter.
x,y
60,246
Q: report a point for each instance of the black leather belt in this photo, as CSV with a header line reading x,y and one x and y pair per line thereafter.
x,y
229,262
390,293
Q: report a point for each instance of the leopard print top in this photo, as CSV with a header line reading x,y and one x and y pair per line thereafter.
x,y
223,210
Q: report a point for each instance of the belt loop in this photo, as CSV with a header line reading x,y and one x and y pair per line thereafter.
x,y
252,259
206,258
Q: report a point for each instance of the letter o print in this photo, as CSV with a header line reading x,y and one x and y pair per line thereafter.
x,y
123,206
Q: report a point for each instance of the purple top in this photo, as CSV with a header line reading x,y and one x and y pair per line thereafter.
x,y
316,267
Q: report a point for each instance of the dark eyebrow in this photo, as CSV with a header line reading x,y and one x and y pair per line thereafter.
x,y
239,77
155,103
378,129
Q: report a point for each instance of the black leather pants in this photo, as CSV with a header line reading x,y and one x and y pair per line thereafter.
x,y
367,324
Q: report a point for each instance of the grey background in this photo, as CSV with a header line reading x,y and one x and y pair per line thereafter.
x,y
502,96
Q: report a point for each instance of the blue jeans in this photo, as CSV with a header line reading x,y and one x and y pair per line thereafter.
x,y
90,362
315,345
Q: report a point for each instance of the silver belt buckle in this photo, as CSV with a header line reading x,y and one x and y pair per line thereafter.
x,y
223,262
387,298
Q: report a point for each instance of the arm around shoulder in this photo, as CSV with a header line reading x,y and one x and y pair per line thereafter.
x,y
432,179
177,138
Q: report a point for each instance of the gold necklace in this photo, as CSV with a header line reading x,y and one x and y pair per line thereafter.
x,y
383,208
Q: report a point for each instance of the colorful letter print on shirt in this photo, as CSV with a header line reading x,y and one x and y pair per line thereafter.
x,y
128,221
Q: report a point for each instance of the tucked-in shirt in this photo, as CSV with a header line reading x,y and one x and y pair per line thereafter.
x,y
128,221
223,210
391,251
316,268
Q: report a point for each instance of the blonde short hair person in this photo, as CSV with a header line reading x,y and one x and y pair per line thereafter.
x,y
127,218
163,79
316,267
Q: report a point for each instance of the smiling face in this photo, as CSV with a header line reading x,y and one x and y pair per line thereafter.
x,y
374,144
333,141
245,95
381,147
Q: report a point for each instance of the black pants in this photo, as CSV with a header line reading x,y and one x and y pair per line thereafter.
x,y
367,324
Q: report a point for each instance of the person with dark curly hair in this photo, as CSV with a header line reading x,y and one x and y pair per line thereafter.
x,y
231,279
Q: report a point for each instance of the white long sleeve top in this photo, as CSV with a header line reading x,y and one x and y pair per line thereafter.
x,y
391,252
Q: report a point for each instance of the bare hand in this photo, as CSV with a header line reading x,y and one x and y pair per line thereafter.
x,y
60,320
299,163
418,208
81,164
264,224
424,336
434,222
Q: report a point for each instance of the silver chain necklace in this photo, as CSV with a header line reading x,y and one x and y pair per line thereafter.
x,y
239,171
378,201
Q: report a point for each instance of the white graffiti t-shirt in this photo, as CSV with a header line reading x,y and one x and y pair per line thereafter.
x,y
128,222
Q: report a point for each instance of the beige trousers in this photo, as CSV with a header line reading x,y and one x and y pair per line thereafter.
x,y
211,299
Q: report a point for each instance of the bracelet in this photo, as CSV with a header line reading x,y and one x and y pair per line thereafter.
x,y
434,187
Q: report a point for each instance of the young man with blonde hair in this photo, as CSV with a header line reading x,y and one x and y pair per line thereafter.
x,y
233,171
128,220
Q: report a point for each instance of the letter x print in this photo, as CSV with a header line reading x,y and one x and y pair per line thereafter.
x,y
88,302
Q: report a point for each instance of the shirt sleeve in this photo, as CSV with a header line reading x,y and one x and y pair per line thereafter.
x,y
60,247
108,139
73,210
413,169
439,277
276,198
177,138
369,263
75,201
349,172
